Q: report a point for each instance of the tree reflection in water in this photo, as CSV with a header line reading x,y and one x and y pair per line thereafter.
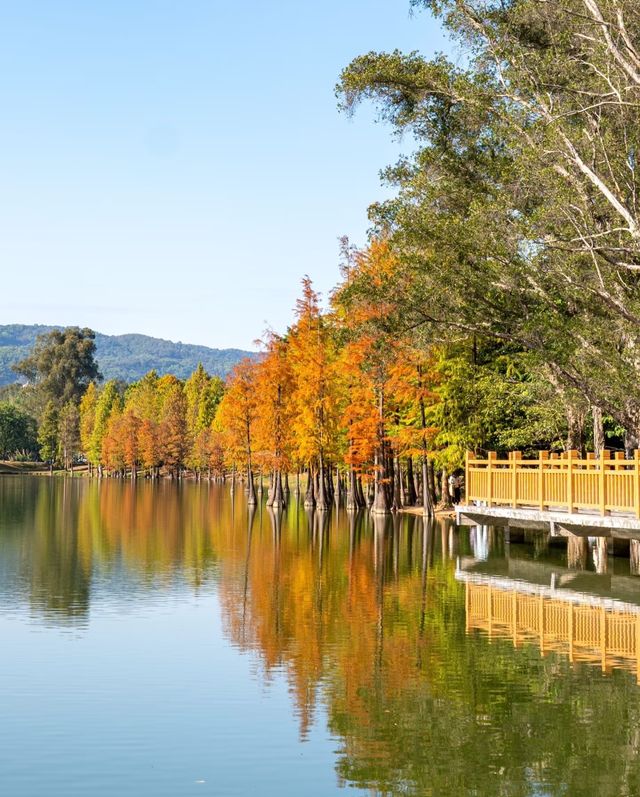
x,y
365,618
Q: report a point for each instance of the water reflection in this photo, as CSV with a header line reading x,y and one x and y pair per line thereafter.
x,y
578,600
373,623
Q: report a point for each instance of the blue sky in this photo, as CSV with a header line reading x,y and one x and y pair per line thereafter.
x,y
174,167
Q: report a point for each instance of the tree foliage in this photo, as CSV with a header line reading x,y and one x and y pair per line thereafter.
x,y
516,219
17,432
61,365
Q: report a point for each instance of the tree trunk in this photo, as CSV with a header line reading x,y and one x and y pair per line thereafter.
x,y
411,488
371,492
380,499
277,500
598,431
271,488
352,490
398,487
431,482
310,496
330,489
252,499
575,429
427,498
321,498
445,500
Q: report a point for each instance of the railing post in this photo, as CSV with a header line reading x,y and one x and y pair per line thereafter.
x,y
491,456
514,456
570,457
636,482
467,479
602,483
543,456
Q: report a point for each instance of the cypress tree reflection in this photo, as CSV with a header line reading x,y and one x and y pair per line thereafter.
x,y
363,616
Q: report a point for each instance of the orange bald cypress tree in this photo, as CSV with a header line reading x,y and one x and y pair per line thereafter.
x,y
173,438
274,439
412,382
373,334
316,410
236,418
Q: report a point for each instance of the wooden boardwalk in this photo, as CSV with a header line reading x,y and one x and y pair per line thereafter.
x,y
597,486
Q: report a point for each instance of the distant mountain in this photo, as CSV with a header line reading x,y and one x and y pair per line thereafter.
x,y
126,357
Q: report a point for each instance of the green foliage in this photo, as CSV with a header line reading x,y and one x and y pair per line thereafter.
x,y
492,399
48,434
17,432
516,217
61,365
108,399
69,433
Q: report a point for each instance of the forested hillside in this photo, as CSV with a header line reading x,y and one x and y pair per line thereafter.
x,y
126,357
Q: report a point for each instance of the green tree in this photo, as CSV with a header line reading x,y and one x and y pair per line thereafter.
x,y
48,435
17,431
61,365
108,399
69,434
87,417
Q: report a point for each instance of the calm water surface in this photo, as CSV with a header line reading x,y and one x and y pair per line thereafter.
x,y
161,640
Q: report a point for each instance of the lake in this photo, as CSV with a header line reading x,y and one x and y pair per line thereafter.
x,y
160,639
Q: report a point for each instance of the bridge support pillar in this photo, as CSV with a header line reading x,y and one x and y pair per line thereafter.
x,y
634,557
577,552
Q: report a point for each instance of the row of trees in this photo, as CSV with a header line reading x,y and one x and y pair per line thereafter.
x,y
347,402
158,423
335,398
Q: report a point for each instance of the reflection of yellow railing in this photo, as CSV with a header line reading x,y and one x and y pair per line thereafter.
x,y
598,485
594,634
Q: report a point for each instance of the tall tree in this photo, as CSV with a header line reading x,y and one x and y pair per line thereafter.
x,y
48,435
61,365
273,438
316,410
88,418
236,418
173,438
69,434
108,400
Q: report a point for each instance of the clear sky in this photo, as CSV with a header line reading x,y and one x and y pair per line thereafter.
x,y
174,167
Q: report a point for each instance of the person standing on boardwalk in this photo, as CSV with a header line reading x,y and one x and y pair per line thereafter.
x,y
453,481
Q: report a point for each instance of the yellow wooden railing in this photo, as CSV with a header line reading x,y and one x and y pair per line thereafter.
x,y
552,481
587,633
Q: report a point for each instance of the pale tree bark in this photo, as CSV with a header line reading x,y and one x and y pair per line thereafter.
x,y
598,431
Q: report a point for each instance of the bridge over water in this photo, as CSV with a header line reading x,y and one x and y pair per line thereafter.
x,y
594,496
